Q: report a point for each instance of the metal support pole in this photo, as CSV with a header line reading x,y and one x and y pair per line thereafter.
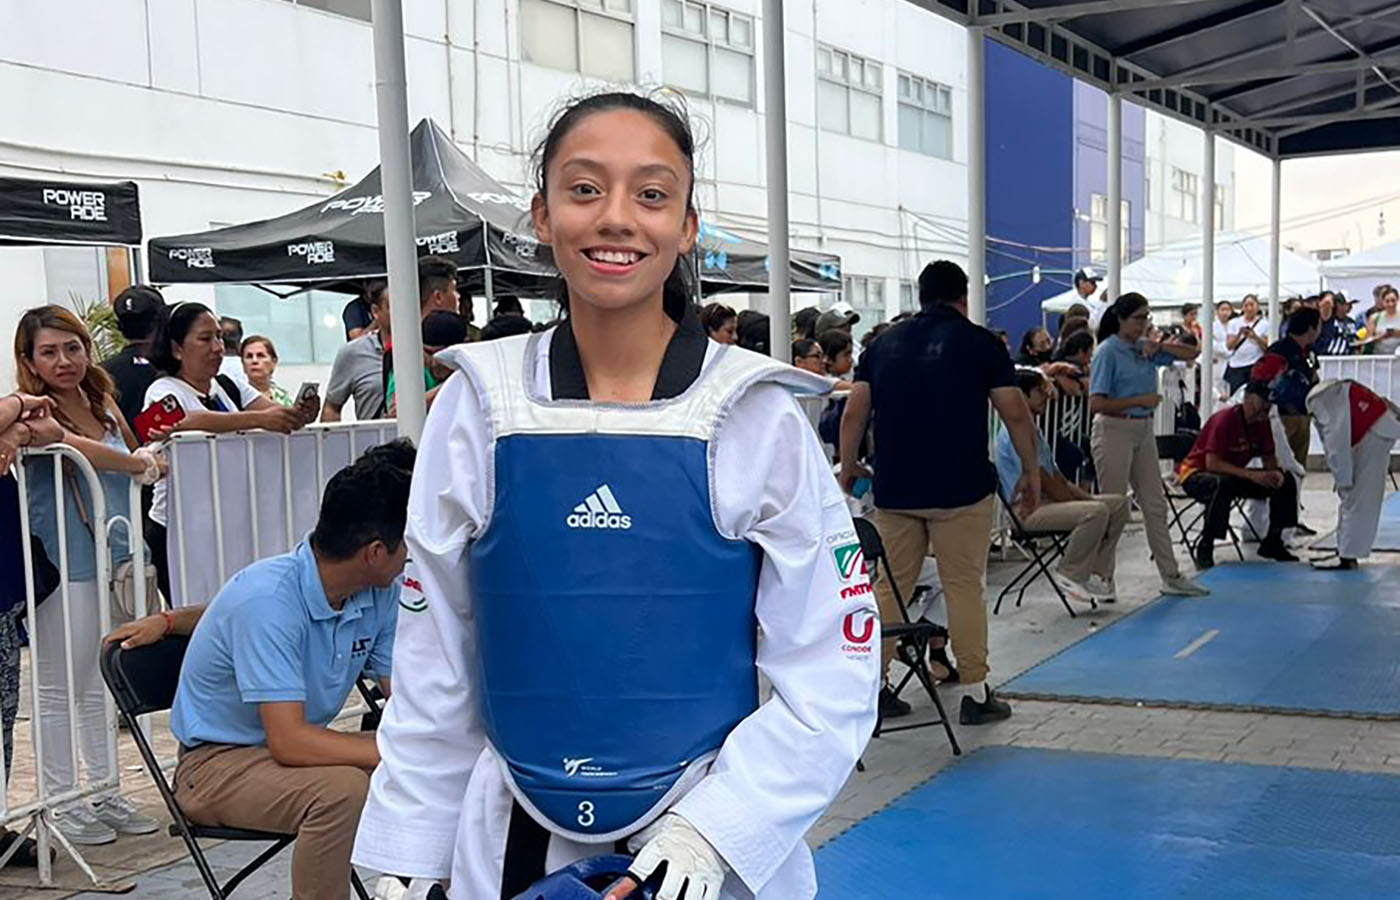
x,y
976,178
1207,317
1275,227
396,181
1115,195
779,306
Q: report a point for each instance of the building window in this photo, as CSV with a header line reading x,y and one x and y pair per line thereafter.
x,y
908,296
925,116
592,37
1098,228
354,9
708,50
306,327
1185,202
866,294
848,94
1220,207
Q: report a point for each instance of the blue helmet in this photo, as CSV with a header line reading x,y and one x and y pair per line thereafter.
x,y
586,880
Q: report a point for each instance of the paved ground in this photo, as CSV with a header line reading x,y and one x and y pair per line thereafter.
x,y
896,763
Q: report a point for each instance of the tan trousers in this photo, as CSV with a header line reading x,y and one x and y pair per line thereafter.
x,y
244,787
1097,524
1299,432
959,539
1125,454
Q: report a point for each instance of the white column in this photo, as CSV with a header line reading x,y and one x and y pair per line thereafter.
x,y
1275,227
1208,322
779,307
976,178
1115,195
396,181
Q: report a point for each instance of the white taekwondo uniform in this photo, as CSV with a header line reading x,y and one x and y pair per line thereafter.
x,y
1359,429
441,800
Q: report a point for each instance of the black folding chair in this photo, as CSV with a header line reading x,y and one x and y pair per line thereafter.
x,y
143,681
1045,546
915,638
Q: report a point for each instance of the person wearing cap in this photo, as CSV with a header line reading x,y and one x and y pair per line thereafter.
x,y
753,332
1086,284
138,311
1215,472
839,318
1359,429
804,323
441,329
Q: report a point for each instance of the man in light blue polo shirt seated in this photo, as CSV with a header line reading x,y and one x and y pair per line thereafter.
x,y
271,663
1094,521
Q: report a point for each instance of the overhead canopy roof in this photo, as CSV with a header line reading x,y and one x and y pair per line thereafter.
x,y
1286,77
37,212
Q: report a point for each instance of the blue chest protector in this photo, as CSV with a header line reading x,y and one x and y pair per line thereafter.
x,y
615,624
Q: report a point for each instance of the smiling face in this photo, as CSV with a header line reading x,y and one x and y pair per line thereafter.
x,y
1388,301
202,349
60,359
617,211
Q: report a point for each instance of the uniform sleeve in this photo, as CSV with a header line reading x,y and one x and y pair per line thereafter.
x,y
431,733
820,650
1102,372
1331,410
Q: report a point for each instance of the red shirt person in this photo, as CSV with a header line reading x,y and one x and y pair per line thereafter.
x,y
1216,473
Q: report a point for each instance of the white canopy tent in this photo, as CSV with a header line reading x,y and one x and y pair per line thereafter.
x,y
1357,274
1174,275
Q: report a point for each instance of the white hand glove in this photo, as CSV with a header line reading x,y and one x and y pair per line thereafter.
x,y
691,863
148,459
390,888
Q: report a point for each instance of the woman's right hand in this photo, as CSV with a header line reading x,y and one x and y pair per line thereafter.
x,y
1151,401
281,419
32,407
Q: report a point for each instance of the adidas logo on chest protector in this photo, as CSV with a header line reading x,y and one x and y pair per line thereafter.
x,y
599,510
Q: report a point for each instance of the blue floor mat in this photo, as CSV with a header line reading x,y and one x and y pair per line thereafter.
x,y
1270,637
1387,538
1008,822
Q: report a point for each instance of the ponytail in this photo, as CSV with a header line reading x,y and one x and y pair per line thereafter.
x,y
1122,308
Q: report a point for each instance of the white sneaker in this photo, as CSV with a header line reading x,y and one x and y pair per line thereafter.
x,y
1075,590
81,826
1103,589
117,813
1181,586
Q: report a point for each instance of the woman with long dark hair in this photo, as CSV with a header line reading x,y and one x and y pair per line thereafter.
x,y
686,503
1123,398
188,349
53,358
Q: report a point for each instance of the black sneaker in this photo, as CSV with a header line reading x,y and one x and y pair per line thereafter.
x,y
1275,549
989,710
1204,554
891,707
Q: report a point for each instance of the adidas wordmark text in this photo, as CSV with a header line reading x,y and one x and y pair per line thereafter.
x,y
599,510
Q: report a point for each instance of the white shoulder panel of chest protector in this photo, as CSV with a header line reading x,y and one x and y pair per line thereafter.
x,y
503,375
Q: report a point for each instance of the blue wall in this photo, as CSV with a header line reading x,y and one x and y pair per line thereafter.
x,y
1030,185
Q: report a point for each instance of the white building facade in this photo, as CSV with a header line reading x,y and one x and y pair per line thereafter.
x,y
227,111
1175,164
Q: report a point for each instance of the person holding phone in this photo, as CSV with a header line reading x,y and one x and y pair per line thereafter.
x,y
53,358
259,363
1246,340
188,349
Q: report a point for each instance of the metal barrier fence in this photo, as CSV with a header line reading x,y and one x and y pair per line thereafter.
x,y
1379,373
38,812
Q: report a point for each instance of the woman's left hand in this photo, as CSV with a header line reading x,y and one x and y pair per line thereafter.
x,y
1151,347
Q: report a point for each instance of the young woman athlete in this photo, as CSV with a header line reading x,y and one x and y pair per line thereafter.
x,y
616,526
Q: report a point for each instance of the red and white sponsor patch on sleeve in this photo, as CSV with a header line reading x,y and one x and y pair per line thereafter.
x,y
411,595
850,561
859,631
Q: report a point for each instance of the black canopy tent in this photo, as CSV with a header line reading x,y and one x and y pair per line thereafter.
x,y
728,263
337,243
36,212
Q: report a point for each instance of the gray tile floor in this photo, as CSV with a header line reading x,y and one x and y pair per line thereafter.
x,y
1019,639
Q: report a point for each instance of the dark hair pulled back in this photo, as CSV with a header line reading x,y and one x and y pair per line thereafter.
x,y
172,328
1125,306
671,116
